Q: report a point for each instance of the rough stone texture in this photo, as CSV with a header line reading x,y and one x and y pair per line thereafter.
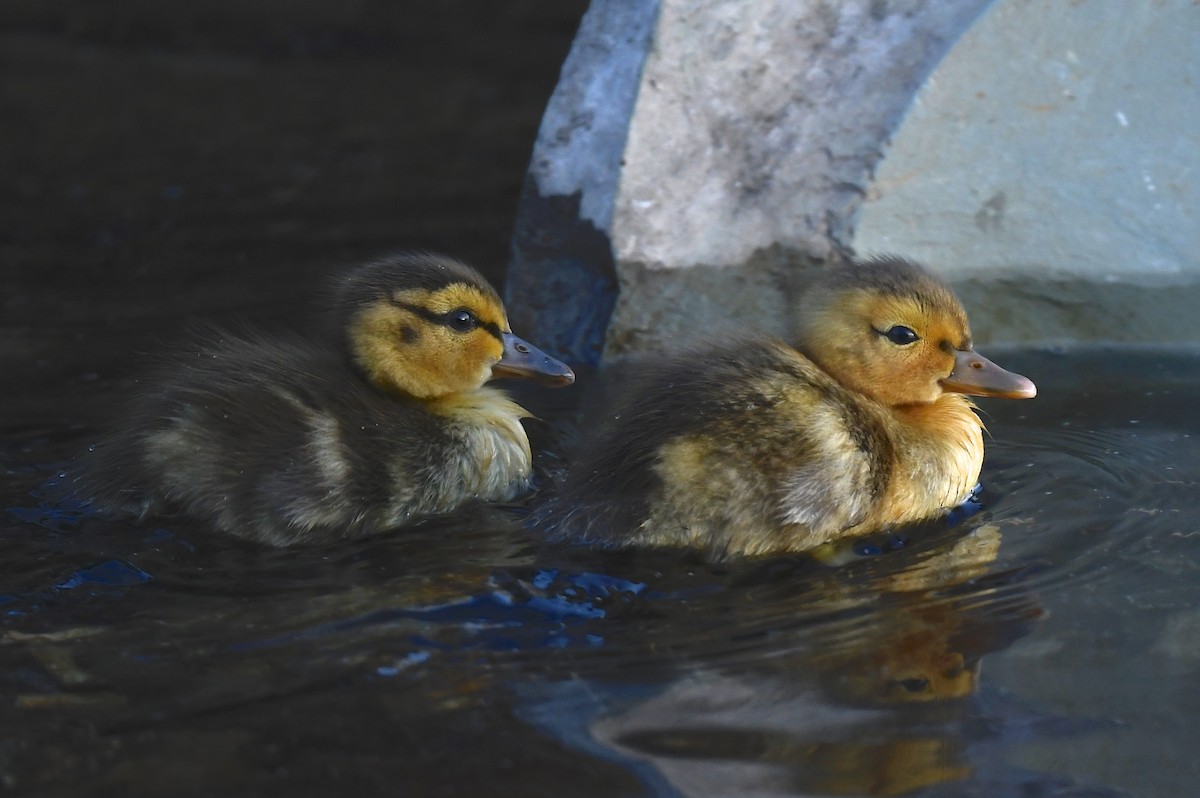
x,y
561,283
1049,168
700,157
658,306
750,135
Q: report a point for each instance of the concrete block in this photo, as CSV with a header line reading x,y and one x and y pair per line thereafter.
x,y
723,143
700,158
1049,167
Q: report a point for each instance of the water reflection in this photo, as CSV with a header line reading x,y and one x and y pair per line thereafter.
x,y
867,701
981,658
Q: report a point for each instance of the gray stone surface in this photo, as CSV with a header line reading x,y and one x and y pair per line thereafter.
x,y
561,282
751,134
1049,166
757,123
701,157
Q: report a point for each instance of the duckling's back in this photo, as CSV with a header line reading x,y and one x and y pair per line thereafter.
x,y
747,449
276,439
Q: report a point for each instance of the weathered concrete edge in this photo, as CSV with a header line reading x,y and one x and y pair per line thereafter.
x,y
563,279
581,140
1056,310
763,126
712,301
659,309
562,283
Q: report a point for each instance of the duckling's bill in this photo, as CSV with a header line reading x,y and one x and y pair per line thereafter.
x,y
523,360
975,375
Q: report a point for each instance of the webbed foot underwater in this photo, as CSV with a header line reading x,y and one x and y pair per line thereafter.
x,y
287,439
755,447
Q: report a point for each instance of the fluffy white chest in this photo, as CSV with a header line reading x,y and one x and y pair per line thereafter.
x,y
492,461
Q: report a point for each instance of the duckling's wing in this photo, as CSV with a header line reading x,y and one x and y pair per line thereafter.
x,y
746,447
610,485
832,483
270,438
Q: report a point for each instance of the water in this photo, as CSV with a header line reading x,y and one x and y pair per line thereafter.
x,y
1047,645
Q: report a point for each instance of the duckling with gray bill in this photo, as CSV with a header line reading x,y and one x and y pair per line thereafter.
x,y
753,447
286,440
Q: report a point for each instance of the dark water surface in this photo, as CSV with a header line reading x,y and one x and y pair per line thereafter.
x,y
215,161
1047,645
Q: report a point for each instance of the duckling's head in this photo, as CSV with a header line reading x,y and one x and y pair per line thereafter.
x,y
889,329
429,326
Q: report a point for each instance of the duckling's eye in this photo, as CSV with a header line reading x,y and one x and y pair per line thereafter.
x,y
901,335
915,685
461,320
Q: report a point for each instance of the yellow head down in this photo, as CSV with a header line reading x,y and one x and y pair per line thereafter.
x,y
429,326
887,328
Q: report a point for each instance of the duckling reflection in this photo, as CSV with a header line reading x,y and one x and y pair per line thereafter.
x,y
286,439
875,704
752,447
874,719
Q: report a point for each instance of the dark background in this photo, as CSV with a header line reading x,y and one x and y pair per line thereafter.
x,y
163,162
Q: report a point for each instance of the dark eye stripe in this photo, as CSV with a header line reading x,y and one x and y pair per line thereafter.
x,y
445,318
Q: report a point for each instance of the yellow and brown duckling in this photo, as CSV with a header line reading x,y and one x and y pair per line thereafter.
x,y
755,447
288,440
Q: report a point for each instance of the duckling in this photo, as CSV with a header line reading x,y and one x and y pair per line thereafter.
x,y
290,440
753,447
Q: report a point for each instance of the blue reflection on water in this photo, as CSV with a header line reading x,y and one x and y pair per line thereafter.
x,y
111,573
513,617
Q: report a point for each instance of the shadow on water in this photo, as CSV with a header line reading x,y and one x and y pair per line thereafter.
x,y
974,658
